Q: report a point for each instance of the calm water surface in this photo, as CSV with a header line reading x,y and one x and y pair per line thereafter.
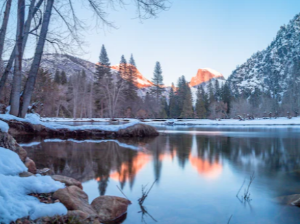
x,y
198,170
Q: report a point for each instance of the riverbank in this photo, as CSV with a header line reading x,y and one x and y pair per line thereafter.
x,y
33,125
233,122
34,195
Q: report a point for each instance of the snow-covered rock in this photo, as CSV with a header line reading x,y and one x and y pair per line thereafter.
x,y
14,191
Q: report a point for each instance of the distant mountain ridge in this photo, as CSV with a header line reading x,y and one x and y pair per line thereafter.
x,y
273,69
73,65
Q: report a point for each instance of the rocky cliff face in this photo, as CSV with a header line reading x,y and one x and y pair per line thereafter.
x,y
274,69
205,75
141,81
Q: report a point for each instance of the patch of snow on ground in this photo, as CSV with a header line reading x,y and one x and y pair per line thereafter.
x,y
35,119
14,199
3,127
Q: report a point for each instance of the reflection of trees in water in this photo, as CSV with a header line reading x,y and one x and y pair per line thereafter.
x,y
107,160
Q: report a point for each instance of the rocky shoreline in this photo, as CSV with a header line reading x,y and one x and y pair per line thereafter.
x,y
103,209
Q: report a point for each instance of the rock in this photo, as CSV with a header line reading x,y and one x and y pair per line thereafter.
x,y
293,199
109,208
30,164
45,171
78,214
26,174
69,181
8,142
74,199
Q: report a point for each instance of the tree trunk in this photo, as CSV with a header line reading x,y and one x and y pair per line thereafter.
x,y
16,88
32,11
3,29
29,87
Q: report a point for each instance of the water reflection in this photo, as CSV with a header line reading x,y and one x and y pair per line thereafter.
x,y
195,172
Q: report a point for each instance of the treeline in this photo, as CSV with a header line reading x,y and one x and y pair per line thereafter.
x,y
30,24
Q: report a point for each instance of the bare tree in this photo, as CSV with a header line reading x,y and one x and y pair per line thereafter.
x,y
3,29
145,9
16,88
29,87
33,9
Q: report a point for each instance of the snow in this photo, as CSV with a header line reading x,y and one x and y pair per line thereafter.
x,y
124,145
230,122
14,191
35,119
3,127
216,73
29,144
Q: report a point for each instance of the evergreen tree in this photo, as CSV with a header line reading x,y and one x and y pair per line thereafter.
x,y
217,90
131,78
103,68
57,78
132,61
210,90
157,80
173,109
181,94
123,67
226,96
187,110
201,107
63,78
164,108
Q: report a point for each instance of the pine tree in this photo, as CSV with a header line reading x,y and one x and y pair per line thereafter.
x,y
131,78
164,108
217,90
172,104
187,110
103,67
132,61
157,80
63,78
123,67
201,107
210,90
57,77
226,97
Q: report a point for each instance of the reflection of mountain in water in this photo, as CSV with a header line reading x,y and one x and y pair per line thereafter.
x,y
108,161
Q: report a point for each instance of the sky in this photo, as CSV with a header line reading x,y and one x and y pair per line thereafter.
x,y
190,35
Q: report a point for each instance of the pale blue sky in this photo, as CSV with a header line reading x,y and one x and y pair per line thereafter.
x,y
192,34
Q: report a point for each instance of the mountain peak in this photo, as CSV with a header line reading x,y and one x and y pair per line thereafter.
x,y
204,75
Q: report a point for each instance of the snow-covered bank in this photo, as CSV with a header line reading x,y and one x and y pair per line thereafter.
x,y
14,199
233,122
36,120
227,122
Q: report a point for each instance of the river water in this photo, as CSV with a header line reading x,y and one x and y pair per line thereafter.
x,y
198,172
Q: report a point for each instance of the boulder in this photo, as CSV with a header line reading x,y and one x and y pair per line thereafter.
x,y
8,142
45,171
109,208
69,181
293,199
26,174
30,164
78,214
74,199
